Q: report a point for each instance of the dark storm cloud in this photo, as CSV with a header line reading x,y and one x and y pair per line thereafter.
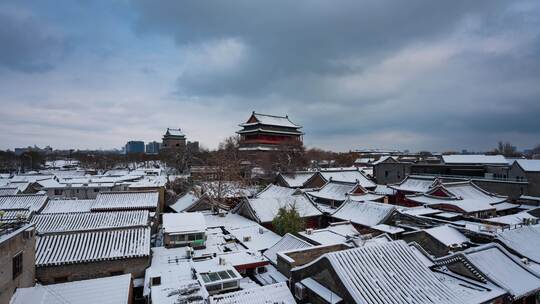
x,y
288,39
362,67
27,44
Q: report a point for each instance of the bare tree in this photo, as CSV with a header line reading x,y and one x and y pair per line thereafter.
x,y
506,149
224,180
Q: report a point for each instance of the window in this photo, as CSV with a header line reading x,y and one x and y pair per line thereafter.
x,y
57,191
156,281
17,263
61,279
96,190
385,173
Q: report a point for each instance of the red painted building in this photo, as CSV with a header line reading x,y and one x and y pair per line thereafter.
x,y
262,132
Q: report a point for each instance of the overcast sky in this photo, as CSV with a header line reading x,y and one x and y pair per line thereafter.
x,y
435,75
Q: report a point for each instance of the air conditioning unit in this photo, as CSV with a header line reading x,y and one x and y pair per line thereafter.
x,y
525,261
299,291
261,230
309,231
247,238
222,261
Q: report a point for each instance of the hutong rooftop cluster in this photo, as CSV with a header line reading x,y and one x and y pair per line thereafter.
x,y
391,227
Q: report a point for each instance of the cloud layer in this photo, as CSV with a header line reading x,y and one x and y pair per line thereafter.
x,y
357,74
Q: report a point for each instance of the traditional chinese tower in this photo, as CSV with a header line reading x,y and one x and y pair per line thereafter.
x,y
263,132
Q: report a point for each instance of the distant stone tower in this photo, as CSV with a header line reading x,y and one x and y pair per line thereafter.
x,y
173,139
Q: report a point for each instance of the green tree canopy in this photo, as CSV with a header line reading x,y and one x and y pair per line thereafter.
x,y
288,220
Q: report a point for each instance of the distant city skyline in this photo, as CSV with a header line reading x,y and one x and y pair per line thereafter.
x,y
419,75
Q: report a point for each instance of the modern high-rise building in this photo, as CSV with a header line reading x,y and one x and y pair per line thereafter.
x,y
134,146
153,147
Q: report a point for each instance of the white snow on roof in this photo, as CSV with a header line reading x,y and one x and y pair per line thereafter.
x,y
287,242
109,290
366,214
473,291
323,237
273,120
253,239
175,132
334,191
366,197
267,208
475,159
529,165
463,195
504,206
524,240
269,294
68,206
350,176
183,222
83,247
32,202
384,189
447,235
512,219
15,215
275,191
8,191
505,270
149,182
297,179
383,159
413,184
228,220
128,200
184,202
388,228
49,223
388,273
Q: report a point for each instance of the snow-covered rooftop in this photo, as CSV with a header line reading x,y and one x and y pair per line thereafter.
x,y
413,184
50,223
31,202
504,269
364,213
463,195
473,159
271,120
255,237
275,191
297,179
109,290
183,222
128,200
350,176
175,132
84,247
387,273
524,240
529,165
269,294
265,209
334,191
447,235
287,242
68,206
184,202
512,219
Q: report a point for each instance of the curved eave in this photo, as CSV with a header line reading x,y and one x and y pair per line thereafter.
x,y
269,131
